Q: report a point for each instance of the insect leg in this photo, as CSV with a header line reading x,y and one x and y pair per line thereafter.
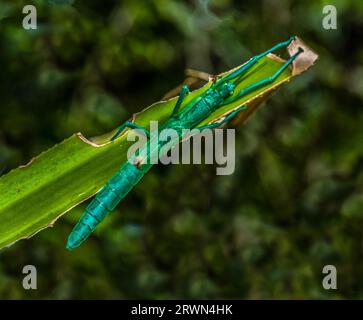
x,y
226,119
130,125
184,90
265,81
254,59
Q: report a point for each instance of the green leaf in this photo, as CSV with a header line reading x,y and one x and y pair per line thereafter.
x,y
34,196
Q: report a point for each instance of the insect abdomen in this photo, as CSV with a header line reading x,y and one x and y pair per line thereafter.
x,y
119,186
104,202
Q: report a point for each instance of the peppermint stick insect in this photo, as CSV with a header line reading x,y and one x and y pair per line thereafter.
x,y
220,93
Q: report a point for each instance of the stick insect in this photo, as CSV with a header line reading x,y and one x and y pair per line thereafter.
x,y
220,93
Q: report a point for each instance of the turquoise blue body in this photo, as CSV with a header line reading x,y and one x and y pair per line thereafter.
x,y
131,172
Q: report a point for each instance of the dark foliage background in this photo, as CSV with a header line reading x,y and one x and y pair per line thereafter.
x,y
295,201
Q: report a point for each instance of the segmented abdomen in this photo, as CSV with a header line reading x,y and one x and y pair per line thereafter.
x,y
104,202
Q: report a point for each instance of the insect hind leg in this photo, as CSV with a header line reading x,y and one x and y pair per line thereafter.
x,y
184,91
130,125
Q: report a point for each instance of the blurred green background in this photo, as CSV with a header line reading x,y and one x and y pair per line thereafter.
x,y
295,201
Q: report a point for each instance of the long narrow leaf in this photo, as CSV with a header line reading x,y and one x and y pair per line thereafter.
x,y
35,195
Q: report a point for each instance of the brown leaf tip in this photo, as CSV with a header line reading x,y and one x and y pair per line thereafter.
x,y
305,60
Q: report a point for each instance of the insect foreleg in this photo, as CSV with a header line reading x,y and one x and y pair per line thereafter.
x,y
265,81
254,59
225,120
184,91
130,125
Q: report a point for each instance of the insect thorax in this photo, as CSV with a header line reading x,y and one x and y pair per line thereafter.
x,y
204,106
